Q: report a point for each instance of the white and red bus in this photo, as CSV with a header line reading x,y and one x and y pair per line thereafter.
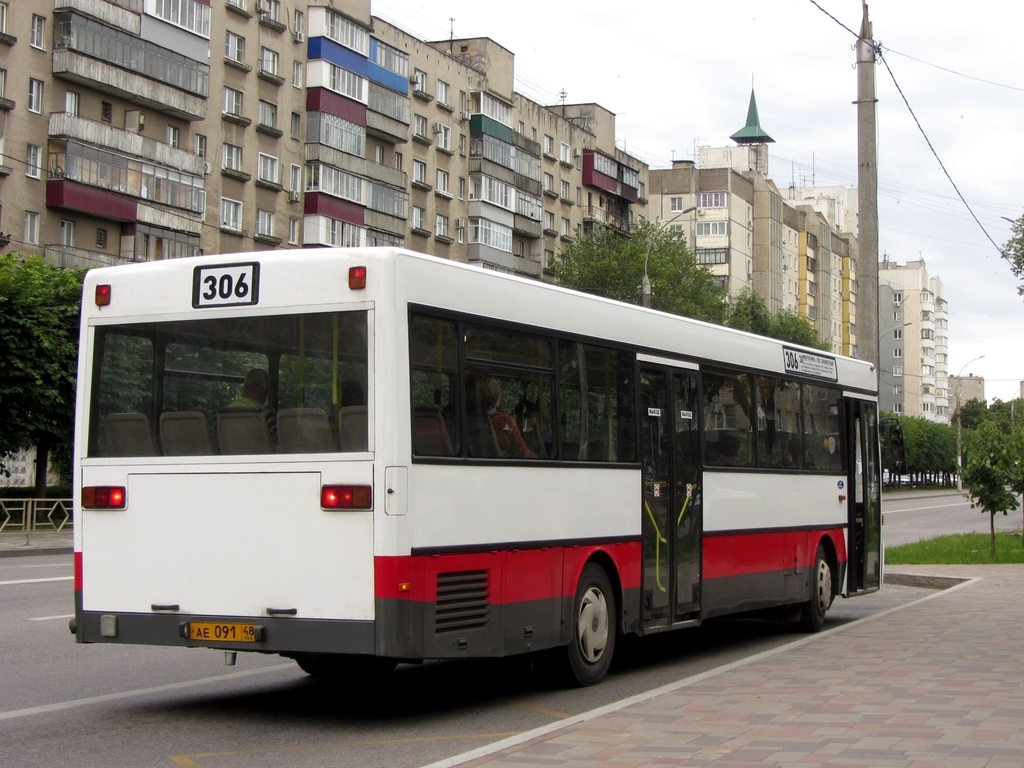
x,y
357,457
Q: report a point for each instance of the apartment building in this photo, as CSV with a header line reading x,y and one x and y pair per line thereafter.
x,y
913,323
127,135
966,388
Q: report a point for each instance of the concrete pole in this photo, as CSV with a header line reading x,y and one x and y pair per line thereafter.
x,y
867,197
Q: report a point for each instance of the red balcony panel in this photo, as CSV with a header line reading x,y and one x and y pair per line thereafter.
x,y
627,192
317,203
63,193
323,100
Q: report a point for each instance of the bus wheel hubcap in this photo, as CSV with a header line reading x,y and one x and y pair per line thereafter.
x,y
824,586
592,625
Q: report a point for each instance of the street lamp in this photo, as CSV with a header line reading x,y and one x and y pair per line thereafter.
x,y
959,421
645,286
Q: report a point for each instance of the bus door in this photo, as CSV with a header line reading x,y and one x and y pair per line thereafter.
x,y
671,504
864,548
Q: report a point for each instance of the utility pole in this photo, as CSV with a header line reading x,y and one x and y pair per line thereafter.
x,y
867,195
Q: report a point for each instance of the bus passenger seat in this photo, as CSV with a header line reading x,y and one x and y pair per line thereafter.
x,y
481,440
243,431
353,426
128,434
304,430
430,434
183,433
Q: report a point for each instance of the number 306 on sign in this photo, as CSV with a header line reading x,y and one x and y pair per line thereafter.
x,y
224,285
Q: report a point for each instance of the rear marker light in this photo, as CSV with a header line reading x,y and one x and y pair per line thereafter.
x,y
102,295
345,497
356,278
104,497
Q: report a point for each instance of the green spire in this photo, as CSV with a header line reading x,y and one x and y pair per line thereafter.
x,y
752,133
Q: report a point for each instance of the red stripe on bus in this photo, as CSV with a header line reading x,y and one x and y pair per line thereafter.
x,y
78,571
516,575
746,553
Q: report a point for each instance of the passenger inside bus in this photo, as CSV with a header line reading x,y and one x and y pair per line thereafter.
x,y
255,391
483,396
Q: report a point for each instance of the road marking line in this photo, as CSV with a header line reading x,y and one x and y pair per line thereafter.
x,y
186,761
36,581
47,618
74,703
539,709
546,730
919,509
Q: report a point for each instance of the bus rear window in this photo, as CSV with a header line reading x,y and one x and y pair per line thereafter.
x,y
230,386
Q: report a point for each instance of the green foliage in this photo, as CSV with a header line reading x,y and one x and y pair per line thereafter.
x,y
1013,252
960,549
990,467
747,311
605,264
930,447
39,310
973,413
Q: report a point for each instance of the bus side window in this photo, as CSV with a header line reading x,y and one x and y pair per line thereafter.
x,y
779,436
728,431
597,402
822,438
433,358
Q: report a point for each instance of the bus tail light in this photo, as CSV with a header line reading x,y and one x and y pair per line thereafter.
x,y
102,295
104,497
356,278
345,497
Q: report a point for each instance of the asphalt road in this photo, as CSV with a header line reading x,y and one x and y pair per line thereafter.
x,y
917,518
100,705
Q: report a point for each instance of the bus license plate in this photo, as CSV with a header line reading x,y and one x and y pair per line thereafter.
x,y
224,633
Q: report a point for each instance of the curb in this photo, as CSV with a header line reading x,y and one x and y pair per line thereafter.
x,y
31,551
917,580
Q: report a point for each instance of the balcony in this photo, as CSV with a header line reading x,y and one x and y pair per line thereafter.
x,y
527,266
386,128
68,126
594,215
123,14
360,166
384,222
6,104
526,227
6,39
69,257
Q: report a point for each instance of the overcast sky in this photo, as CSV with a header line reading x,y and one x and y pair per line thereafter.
x,y
678,74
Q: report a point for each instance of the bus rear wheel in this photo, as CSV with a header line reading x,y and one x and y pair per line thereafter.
x,y
812,613
594,627
343,667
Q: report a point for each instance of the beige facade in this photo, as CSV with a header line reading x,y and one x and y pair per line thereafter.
x,y
244,125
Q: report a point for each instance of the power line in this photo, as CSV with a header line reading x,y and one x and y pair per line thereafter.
x,y
837,21
936,154
953,71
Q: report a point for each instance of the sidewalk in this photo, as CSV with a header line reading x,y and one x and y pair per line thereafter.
x,y
44,542
937,683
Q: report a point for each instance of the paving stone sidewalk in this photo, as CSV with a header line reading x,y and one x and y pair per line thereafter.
x,y
42,542
938,683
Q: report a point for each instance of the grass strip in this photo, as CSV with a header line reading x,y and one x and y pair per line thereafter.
x,y
959,549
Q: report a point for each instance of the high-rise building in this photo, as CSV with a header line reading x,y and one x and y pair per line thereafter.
x,y
126,135
913,325
965,388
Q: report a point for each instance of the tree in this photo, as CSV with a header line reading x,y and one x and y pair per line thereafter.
x,y
972,413
1013,252
606,264
747,311
989,470
39,310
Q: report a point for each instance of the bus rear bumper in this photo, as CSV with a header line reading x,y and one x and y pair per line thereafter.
x,y
269,635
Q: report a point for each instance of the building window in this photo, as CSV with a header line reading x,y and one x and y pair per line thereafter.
x,y
232,102
549,221
897,334
200,145
491,233
298,22
31,230
106,111
67,233
38,38
268,114
897,371
549,258
897,389
579,196
897,299
419,78
264,223
269,61
419,218
101,238
711,200
231,214
3,17
712,227
549,182
897,408
398,161
419,171
565,153
442,181
897,353
378,155
293,231
71,101
564,192
35,96
444,137
712,255
675,204
192,15
566,228
462,188
549,145
295,178
442,92
344,32
296,74
271,9
173,136
234,47
420,126
269,169
441,226
232,157
34,161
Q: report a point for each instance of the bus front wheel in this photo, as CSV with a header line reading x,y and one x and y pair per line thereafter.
x,y
594,627
812,613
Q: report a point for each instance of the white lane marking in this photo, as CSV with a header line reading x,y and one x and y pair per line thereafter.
x,y
919,509
47,618
74,703
37,581
639,698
